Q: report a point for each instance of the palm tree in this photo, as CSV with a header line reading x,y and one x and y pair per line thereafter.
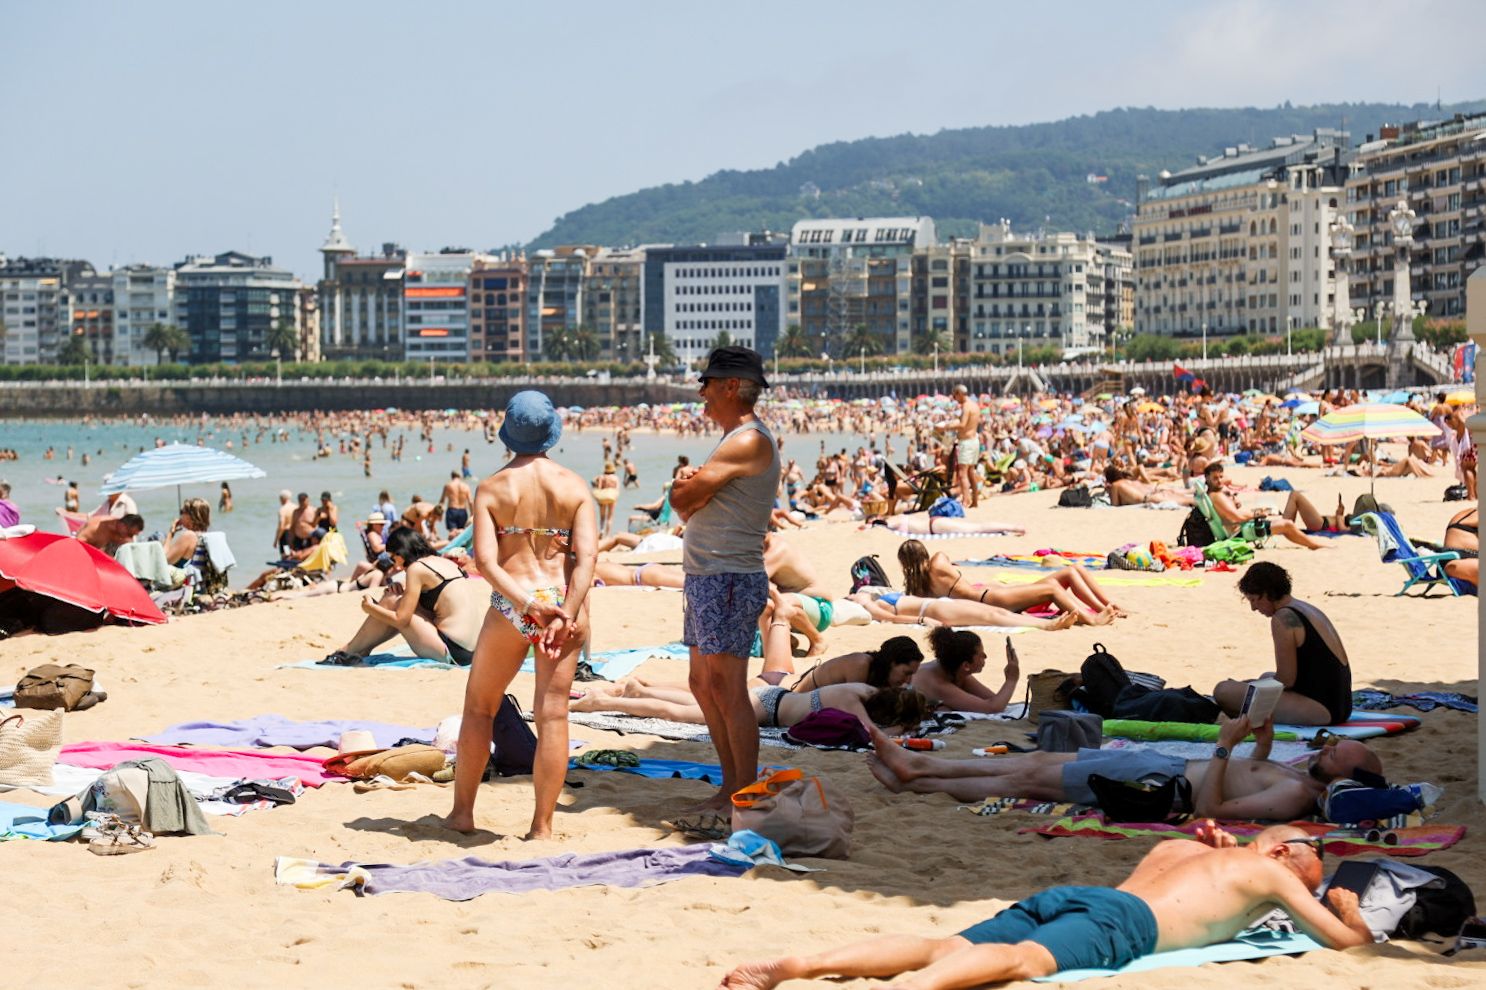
x,y
723,339
585,344
282,337
862,340
665,354
794,343
557,344
162,337
930,341
75,351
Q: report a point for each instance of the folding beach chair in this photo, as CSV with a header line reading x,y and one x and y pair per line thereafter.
x,y
1248,531
1396,548
926,486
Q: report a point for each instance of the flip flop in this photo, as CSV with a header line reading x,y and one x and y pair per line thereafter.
x,y
711,826
340,658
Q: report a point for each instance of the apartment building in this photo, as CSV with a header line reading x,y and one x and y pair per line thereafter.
x,y
1047,289
436,306
497,302
939,299
360,299
1119,282
88,301
143,295
614,303
1439,169
555,282
1219,250
842,274
693,294
35,316
227,303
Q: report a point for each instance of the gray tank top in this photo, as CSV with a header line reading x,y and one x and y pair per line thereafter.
x,y
726,536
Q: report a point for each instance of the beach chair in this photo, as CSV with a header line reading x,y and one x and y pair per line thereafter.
x,y
1248,531
926,486
1427,568
463,541
995,471
641,523
330,551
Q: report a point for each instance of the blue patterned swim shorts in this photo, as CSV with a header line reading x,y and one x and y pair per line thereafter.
x,y
721,611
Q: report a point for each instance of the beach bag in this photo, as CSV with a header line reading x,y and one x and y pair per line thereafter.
x,y
867,572
1075,498
29,744
1103,680
51,686
1455,493
807,816
399,763
1049,690
1145,704
1140,801
1230,551
947,507
1195,532
1069,732
1275,485
515,743
1439,908
829,728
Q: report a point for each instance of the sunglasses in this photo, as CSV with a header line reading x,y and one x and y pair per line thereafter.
x,y
1317,844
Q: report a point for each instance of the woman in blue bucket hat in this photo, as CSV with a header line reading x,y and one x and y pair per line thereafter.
x,y
536,541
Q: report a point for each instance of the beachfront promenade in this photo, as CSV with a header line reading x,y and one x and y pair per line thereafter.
x,y
1352,366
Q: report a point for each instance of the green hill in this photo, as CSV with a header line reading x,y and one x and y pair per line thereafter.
x,y
1035,175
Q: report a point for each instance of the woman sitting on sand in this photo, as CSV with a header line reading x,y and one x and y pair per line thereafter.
x,y
949,679
1309,658
927,525
1071,588
774,707
892,664
535,542
435,613
1462,537
894,606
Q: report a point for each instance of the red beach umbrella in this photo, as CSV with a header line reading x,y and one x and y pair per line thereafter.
x,y
71,571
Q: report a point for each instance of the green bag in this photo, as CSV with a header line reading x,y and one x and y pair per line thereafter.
x,y
1230,551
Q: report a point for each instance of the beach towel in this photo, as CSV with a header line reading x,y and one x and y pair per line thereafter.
x,y
217,550
146,561
1094,562
398,658
661,769
1413,840
233,763
22,821
1256,943
468,878
69,780
1424,701
1113,578
996,805
1362,725
613,664
660,728
276,730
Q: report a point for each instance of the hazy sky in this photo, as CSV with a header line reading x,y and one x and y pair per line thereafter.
x,y
146,132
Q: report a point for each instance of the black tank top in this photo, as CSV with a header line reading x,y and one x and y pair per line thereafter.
x,y
1320,674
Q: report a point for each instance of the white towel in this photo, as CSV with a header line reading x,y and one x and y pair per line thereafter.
x,y
218,550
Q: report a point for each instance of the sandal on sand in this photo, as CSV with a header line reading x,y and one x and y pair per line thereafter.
x,y
608,758
340,658
109,836
709,825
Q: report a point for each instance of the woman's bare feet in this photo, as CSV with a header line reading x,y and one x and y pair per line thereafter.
x,y
884,776
1103,617
755,976
460,821
894,758
1064,620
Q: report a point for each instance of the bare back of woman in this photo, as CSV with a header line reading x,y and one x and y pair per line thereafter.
x,y
536,542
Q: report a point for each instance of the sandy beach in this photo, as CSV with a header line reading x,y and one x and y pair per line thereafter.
x,y
203,910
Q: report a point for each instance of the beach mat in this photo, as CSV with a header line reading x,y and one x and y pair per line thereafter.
x,y
659,727
468,878
997,805
234,763
1416,840
1253,944
266,731
613,664
1092,561
23,821
68,780
660,769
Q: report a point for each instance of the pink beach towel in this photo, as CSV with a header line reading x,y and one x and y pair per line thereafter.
x,y
234,763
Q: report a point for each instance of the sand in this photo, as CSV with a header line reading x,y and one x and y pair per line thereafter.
x,y
206,910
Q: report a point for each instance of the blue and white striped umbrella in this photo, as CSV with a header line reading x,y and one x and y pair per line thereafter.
x,y
178,464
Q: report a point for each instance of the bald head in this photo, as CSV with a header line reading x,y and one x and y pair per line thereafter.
x,y
1294,849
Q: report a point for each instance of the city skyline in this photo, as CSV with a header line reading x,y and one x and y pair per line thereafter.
x,y
191,134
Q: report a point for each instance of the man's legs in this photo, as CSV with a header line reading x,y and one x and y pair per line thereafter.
x,y
889,955
720,683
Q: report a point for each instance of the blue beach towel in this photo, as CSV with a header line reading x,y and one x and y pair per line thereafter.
x,y
22,821
1256,943
662,769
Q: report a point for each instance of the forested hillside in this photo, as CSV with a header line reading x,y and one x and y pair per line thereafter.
x,y
1037,174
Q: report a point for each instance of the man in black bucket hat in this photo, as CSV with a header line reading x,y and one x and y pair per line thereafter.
x,y
726,504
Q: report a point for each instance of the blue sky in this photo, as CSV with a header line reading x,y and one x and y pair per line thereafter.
x,y
146,132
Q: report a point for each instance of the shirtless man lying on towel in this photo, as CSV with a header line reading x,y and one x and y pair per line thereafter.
x,y
1182,895
1223,787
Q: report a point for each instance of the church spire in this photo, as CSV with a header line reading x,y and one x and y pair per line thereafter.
x,y
335,242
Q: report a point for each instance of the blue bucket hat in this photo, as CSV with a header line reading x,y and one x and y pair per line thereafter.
x,y
531,425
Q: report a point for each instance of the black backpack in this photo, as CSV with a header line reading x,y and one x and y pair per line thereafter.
x,y
1439,909
867,572
1103,680
1196,531
1122,801
515,743
1076,498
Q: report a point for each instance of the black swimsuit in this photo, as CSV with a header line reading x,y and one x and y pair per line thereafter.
x,y
427,599
1320,674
